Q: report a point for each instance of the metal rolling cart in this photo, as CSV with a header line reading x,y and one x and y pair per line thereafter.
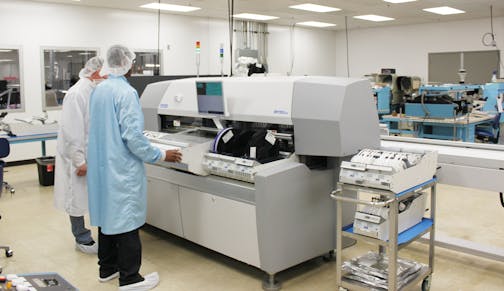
x,y
396,241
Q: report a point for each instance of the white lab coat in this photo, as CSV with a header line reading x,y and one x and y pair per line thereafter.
x,y
70,190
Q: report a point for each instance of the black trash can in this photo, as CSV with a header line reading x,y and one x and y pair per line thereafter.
x,y
46,170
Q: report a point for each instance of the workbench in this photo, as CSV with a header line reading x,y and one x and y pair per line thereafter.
x,y
461,128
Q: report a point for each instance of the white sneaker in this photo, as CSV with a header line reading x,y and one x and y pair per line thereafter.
x,y
111,277
91,249
150,281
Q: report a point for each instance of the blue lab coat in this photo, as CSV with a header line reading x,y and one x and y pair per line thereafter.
x,y
117,150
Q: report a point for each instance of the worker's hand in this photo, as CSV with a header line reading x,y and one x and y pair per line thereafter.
x,y
173,156
82,170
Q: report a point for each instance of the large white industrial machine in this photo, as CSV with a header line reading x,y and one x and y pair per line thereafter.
x,y
260,156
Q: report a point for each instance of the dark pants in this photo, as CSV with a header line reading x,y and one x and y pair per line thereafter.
x,y
120,252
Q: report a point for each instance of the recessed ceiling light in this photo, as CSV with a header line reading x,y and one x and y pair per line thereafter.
x,y
372,17
316,24
170,7
254,16
314,7
444,10
399,1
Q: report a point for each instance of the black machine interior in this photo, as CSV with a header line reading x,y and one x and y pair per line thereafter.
x,y
244,136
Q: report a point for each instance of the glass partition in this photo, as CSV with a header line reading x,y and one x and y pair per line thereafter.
x,y
147,63
10,79
61,71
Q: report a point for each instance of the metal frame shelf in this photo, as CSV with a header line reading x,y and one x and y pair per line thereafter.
x,y
396,240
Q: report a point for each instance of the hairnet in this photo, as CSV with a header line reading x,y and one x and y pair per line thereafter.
x,y
119,60
92,65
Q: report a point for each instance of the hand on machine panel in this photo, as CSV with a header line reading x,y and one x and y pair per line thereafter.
x,y
173,156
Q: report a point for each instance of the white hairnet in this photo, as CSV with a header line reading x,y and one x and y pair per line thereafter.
x,y
92,65
119,60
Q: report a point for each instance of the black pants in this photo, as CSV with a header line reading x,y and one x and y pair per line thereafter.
x,y
120,252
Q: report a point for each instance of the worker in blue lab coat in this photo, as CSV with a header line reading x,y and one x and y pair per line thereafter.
x,y
70,191
117,150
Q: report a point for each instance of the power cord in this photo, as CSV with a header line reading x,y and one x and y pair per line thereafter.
x,y
486,41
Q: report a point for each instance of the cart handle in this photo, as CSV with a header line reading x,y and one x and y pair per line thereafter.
x,y
334,195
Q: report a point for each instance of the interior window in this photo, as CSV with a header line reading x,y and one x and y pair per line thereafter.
x,y
10,79
61,71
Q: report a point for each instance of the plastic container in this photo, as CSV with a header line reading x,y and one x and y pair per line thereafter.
x,y
46,170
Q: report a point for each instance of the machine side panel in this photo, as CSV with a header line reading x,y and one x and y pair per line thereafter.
x,y
359,125
295,216
163,209
333,116
220,224
150,99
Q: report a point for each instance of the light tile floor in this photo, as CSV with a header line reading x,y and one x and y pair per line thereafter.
x,y
42,242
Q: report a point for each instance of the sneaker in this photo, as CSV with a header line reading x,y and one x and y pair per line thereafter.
x,y
150,281
87,249
111,277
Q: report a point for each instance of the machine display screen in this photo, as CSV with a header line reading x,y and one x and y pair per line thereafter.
x,y
210,98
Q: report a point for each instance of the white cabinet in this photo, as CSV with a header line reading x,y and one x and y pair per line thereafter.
x,y
220,224
163,209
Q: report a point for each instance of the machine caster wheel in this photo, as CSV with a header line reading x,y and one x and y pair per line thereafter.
x,y
12,191
9,253
329,256
426,284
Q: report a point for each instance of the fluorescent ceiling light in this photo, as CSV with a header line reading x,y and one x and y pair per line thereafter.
x,y
152,65
314,7
316,24
444,10
254,16
170,7
6,60
5,51
399,1
372,17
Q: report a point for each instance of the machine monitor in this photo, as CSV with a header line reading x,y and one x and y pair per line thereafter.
x,y
210,98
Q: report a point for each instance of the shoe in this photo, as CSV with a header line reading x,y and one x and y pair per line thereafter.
x,y
150,281
111,277
91,249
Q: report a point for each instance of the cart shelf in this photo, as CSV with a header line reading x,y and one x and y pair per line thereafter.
x,y
408,235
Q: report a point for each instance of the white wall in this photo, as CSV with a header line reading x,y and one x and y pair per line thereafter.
x,y
313,50
32,25
406,48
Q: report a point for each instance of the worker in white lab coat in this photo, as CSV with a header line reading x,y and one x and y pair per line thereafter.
x,y
70,187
